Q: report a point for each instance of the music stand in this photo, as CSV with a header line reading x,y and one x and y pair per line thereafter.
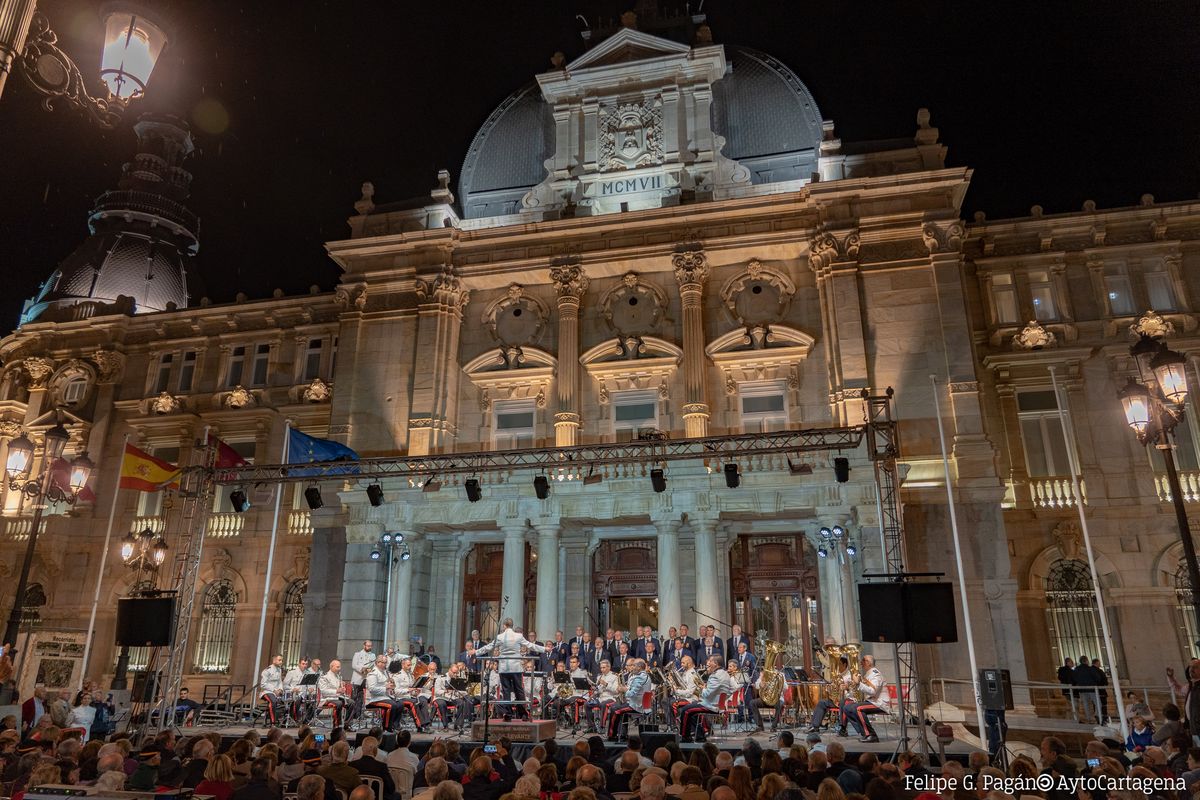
x,y
583,684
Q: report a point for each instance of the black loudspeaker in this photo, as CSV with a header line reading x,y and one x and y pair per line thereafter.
x,y
474,493
841,469
144,686
922,613
145,621
652,740
995,689
882,607
658,480
930,610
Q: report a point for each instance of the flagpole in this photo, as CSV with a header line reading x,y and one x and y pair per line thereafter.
x,y
112,513
262,620
1102,611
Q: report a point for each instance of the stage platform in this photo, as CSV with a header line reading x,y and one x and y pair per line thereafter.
x,y
726,740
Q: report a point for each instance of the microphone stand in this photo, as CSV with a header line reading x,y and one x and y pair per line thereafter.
x,y
487,695
720,622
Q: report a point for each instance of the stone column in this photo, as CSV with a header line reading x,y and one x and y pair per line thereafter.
x,y
571,284
669,611
547,580
326,576
400,625
364,589
846,576
708,586
432,423
691,271
513,586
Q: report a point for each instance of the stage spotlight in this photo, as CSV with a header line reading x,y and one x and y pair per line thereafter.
x,y
405,556
239,501
312,496
474,494
799,469
658,480
541,486
376,555
398,537
375,494
592,477
841,469
838,531
386,538
733,478
431,485
822,552
851,548
826,533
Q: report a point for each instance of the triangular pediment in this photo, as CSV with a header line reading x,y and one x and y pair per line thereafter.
x,y
627,45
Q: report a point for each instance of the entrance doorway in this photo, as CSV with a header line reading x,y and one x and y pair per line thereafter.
x,y
777,593
625,584
482,586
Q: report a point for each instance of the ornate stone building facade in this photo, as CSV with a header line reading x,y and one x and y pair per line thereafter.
x,y
661,235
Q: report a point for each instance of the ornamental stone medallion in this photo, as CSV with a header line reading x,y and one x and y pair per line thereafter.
x,y
631,136
516,319
758,295
633,308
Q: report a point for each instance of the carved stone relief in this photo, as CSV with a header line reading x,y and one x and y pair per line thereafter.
x,y
633,307
516,319
631,135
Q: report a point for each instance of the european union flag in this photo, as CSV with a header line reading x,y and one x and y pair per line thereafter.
x,y
305,449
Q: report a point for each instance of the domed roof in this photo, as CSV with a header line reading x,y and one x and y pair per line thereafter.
x,y
768,117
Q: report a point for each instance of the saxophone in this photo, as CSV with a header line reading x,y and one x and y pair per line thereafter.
x,y
771,680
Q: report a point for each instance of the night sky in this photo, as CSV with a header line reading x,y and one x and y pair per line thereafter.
x,y
293,105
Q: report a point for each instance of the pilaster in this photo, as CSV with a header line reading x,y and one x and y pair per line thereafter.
x,y
433,419
691,272
326,571
833,256
571,284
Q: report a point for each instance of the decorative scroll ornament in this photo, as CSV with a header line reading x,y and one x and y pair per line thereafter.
x,y
569,280
1066,538
444,288
1153,325
239,397
831,246
109,364
165,403
691,267
53,74
341,297
38,368
1033,337
947,237
318,391
631,136
9,429
360,302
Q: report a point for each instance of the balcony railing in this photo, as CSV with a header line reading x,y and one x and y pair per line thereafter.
x,y
15,529
1054,491
225,524
156,524
299,523
1189,482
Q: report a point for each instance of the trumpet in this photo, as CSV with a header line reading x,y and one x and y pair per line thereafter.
x,y
700,679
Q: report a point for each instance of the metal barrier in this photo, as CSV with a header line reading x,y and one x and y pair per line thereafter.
x,y
1069,700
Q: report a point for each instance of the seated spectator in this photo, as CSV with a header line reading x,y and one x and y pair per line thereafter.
x,y
369,764
218,778
1141,735
193,771
593,778
829,790
435,771
818,769
548,777
260,786
343,776
653,787
527,787
482,781
448,790
581,793
312,787
693,784
311,759
41,775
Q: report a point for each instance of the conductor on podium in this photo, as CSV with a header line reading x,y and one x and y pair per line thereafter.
x,y
508,647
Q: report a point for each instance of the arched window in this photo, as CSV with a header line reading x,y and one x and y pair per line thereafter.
x,y
214,640
1071,613
1187,614
293,621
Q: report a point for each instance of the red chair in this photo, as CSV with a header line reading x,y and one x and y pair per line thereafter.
x,y
722,711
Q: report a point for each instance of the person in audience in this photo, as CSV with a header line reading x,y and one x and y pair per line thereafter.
x,y
311,759
312,787
260,785
218,778
592,777
338,771
369,764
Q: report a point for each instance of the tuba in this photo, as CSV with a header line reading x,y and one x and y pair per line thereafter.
x,y
833,676
771,680
853,652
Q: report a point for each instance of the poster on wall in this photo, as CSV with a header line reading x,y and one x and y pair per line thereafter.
x,y
52,658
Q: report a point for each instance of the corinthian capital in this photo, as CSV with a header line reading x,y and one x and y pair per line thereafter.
x,y
691,267
445,288
38,368
943,237
833,245
569,280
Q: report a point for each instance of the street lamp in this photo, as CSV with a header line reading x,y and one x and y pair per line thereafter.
x,y
1153,408
131,47
40,489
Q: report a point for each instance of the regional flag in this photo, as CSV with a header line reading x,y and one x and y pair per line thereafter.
x,y
145,473
305,449
227,457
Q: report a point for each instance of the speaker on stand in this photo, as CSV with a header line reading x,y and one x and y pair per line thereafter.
x,y
995,695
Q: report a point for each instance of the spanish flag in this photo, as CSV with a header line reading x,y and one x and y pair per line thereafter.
x,y
145,473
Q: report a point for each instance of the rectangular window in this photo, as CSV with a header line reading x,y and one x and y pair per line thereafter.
x,y
333,357
237,363
1160,291
262,355
162,379
513,424
312,359
1042,434
221,500
1041,292
634,412
1116,288
150,504
1184,450
763,405
74,391
187,371
1004,296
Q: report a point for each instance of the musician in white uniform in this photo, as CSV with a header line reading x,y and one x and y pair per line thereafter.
x,y
876,699
685,695
573,701
411,697
271,685
604,696
758,703
842,686
329,691
508,646
378,689
446,696
291,687
692,715
361,663
532,684
636,686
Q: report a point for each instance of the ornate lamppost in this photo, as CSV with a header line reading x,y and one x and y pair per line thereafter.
x,y
40,489
144,554
1153,407
132,46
